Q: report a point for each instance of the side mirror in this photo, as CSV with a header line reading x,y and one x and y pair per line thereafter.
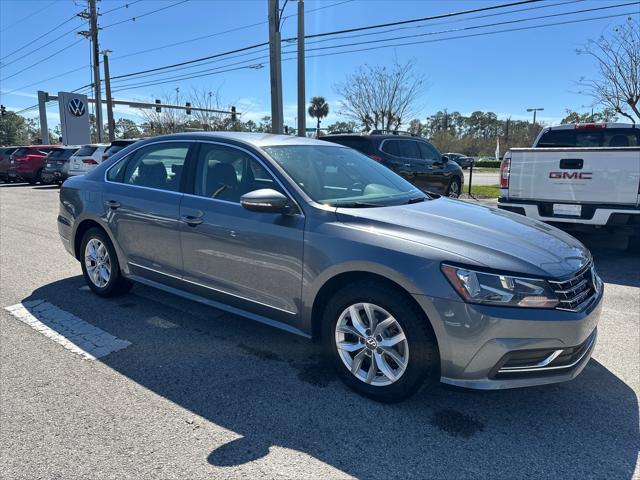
x,y
266,200
444,159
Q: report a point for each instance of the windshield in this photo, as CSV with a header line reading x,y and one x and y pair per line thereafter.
x,y
61,153
342,177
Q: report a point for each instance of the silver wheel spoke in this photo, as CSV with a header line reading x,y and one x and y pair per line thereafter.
x,y
383,325
390,342
385,368
373,370
357,361
357,321
394,354
349,330
371,316
98,263
349,347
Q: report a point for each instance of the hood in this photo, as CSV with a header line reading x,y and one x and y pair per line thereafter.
x,y
479,235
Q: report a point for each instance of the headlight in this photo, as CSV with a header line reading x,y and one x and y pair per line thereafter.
x,y
492,289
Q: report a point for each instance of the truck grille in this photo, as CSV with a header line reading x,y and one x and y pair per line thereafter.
x,y
578,292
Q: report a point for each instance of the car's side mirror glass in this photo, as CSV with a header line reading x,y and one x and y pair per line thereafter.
x,y
267,200
444,159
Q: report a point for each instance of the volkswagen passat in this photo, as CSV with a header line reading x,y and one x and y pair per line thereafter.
x,y
321,241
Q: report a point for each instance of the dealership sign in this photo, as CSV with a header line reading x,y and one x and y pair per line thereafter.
x,y
74,118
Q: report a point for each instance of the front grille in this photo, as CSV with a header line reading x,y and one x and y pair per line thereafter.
x,y
578,292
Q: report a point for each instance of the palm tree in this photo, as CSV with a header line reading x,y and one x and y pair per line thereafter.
x,y
318,108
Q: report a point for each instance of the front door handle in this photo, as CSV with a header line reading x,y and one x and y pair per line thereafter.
x,y
112,204
191,220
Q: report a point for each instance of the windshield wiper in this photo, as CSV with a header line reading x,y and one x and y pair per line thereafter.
x,y
416,200
356,205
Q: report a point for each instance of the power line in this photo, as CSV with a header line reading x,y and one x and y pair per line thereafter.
x,y
36,39
17,22
216,34
133,19
46,80
48,57
153,72
531,27
369,27
37,49
126,5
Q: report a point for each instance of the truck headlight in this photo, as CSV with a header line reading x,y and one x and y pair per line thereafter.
x,y
495,289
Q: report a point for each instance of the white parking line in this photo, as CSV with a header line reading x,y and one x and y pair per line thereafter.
x,y
71,332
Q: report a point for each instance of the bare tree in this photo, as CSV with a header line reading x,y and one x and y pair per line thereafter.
x,y
381,97
618,57
168,120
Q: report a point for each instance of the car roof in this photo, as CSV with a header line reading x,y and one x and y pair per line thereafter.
x,y
258,140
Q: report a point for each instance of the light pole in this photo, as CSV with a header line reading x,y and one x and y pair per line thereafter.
x,y
534,110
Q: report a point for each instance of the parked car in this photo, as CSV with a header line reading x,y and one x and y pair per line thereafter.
x,y
118,145
5,153
461,159
56,164
323,242
583,176
86,158
411,157
27,163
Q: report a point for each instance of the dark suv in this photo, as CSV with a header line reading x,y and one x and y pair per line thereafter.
x,y
412,157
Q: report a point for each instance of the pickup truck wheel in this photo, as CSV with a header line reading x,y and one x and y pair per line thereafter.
x,y
453,190
100,265
380,344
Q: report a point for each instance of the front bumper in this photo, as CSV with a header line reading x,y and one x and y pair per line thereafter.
x,y
475,340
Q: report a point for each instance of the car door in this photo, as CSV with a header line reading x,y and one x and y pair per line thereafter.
x,y
246,259
142,207
436,174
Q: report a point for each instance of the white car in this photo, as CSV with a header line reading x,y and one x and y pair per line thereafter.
x,y
86,159
582,176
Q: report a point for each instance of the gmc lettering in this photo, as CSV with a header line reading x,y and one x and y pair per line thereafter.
x,y
571,175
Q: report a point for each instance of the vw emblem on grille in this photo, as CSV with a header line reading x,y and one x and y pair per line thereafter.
x,y
76,107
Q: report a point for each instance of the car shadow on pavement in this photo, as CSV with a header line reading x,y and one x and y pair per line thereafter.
x,y
274,389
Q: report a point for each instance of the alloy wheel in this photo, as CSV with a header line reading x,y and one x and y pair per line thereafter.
x,y
98,262
454,189
372,344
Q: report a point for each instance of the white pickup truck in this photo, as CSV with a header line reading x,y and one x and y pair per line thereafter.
x,y
577,176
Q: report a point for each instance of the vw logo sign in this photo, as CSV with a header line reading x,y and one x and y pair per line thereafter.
x,y
76,107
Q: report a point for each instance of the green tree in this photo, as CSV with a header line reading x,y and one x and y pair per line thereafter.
x,y
342,127
318,109
18,130
607,115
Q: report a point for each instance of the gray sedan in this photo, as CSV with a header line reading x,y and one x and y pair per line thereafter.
x,y
403,288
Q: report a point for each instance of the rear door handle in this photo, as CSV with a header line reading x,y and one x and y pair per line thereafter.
x,y
112,204
191,220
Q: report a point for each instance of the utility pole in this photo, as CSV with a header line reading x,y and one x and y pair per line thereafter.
x,y
107,88
275,66
302,114
93,22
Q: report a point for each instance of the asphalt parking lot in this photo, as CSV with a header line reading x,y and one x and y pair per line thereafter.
x,y
198,393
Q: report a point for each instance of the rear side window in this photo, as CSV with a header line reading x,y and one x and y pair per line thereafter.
x,y
21,152
391,147
86,151
157,166
409,149
357,143
606,137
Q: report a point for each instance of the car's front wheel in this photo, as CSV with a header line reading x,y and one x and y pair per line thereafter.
x,y
100,265
381,345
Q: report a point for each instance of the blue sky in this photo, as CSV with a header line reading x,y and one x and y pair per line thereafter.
x,y
503,72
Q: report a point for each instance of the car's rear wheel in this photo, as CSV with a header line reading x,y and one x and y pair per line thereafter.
x,y
453,190
100,265
381,345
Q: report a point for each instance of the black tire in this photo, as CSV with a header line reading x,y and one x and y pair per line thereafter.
x,y
424,358
634,244
37,178
117,284
454,188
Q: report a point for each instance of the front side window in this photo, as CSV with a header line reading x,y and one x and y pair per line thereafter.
x,y
409,149
343,177
391,147
156,166
227,173
427,152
